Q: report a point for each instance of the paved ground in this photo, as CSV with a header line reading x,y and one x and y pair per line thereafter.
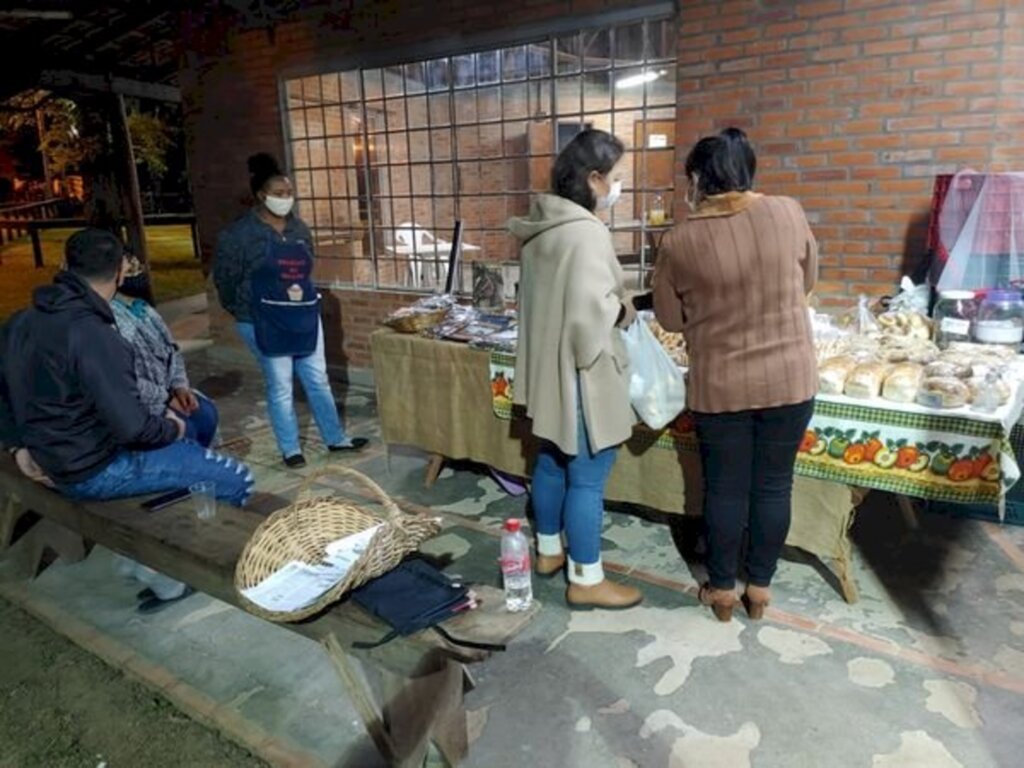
x,y
926,670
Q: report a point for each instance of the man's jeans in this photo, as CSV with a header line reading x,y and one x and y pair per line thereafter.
x,y
178,465
278,374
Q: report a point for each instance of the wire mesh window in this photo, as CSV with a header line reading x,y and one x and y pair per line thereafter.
x,y
386,160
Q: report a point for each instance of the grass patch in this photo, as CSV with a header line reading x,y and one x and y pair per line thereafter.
x,y
175,271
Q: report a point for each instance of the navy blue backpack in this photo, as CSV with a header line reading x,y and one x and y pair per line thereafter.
x,y
285,302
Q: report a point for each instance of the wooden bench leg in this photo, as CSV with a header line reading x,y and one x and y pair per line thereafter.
x,y
11,511
353,678
425,710
26,556
419,711
433,470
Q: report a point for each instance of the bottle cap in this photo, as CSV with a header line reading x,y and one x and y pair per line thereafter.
x,y
512,525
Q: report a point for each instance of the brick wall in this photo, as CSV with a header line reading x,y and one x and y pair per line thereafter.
x,y
855,106
229,82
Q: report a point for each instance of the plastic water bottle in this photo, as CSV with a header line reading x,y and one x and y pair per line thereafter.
x,y
515,566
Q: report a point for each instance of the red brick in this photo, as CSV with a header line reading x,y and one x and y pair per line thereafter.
x,y
850,159
940,74
920,122
821,8
970,55
933,139
895,13
864,34
880,142
983,21
966,155
827,145
876,172
863,126
943,42
884,109
812,41
785,29
837,53
918,28
843,274
971,89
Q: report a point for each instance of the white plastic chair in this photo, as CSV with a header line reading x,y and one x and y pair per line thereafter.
x,y
422,248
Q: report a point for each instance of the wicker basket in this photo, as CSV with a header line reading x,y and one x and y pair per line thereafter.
x,y
417,321
303,530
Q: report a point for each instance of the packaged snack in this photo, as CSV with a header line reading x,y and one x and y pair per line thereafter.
x,y
865,381
943,392
902,383
948,369
987,350
832,374
990,392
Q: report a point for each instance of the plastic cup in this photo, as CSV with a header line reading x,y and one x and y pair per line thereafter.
x,y
204,499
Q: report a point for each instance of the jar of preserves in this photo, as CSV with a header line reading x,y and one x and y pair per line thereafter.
x,y
954,313
1001,319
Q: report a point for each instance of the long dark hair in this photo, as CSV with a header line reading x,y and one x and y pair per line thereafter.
x,y
591,150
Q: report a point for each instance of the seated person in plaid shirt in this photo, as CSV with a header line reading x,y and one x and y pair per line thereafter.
x,y
159,365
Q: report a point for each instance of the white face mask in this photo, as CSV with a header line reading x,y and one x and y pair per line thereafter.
x,y
279,206
607,201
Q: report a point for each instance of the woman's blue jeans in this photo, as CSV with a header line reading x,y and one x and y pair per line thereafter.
x,y
568,494
279,373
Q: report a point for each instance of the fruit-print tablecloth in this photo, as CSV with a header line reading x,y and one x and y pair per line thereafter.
x,y
957,455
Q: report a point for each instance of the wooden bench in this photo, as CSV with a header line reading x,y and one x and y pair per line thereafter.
x,y
422,678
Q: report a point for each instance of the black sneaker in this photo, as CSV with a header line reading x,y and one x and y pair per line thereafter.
x,y
155,604
355,445
295,461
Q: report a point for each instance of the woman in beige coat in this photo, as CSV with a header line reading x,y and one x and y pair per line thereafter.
x,y
733,278
571,366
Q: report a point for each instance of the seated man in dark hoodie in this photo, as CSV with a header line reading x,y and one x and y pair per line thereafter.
x,y
70,411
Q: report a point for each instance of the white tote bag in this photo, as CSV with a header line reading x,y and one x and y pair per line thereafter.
x,y
656,387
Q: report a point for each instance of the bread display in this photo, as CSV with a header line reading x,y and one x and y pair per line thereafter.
x,y
903,382
948,369
865,381
943,392
833,373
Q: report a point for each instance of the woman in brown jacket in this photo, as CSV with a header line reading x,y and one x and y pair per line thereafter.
x,y
734,278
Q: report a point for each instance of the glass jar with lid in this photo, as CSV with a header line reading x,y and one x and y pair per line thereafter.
x,y
1001,319
954,313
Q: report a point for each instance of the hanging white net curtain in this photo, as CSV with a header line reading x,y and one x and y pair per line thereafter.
x,y
981,232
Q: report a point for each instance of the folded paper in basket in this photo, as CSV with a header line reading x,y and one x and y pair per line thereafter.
x,y
296,584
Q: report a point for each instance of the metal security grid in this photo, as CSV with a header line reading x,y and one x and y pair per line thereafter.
x,y
375,151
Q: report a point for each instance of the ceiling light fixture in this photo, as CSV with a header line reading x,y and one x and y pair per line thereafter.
x,y
646,76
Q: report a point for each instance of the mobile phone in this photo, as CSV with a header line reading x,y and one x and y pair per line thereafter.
x,y
166,500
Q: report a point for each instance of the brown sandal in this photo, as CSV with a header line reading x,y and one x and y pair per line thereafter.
x,y
721,601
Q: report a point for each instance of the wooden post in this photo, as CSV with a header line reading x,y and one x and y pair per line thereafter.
x,y
128,183
37,248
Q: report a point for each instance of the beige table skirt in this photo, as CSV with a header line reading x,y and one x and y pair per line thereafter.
x,y
436,396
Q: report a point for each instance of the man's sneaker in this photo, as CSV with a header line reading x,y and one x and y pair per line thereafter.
x,y
155,604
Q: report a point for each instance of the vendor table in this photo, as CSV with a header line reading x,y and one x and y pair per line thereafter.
x,y
438,396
